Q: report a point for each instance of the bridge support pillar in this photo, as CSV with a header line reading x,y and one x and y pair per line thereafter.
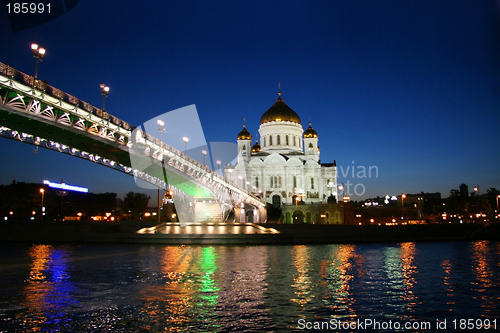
x,y
207,211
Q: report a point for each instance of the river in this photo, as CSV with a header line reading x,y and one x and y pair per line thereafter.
x,y
154,288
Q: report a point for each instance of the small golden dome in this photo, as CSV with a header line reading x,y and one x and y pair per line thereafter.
x,y
280,112
310,133
256,147
244,134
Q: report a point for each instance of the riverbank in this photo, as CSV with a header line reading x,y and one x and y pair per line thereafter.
x,y
126,232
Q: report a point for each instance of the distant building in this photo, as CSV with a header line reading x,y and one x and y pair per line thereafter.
x,y
464,190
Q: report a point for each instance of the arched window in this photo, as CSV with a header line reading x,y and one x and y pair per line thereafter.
x,y
270,140
294,181
312,183
294,141
257,182
311,147
286,140
279,140
276,201
264,143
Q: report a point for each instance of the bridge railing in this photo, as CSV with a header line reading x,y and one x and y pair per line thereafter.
x,y
57,93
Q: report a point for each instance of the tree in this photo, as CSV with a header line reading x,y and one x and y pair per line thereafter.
x,y
135,204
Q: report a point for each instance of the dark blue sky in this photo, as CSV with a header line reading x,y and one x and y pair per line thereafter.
x,y
411,87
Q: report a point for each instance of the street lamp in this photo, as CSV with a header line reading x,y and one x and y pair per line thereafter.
x,y
204,152
38,53
477,189
161,129
186,140
296,206
403,196
218,165
104,92
42,191
341,187
498,196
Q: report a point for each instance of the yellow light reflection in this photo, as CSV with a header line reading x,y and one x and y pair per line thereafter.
x,y
336,273
484,274
301,279
446,264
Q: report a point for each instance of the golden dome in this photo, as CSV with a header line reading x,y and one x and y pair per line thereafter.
x,y
256,147
244,134
310,133
280,112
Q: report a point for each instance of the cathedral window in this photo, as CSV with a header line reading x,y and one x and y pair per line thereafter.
x,y
311,147
270,140
294,181
279,140
286,140
257,182
264,143
312,183
294,141
272,181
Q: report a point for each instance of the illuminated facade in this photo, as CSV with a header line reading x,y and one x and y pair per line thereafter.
x,y
285,167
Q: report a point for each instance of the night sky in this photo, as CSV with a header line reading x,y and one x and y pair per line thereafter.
x,y
411,87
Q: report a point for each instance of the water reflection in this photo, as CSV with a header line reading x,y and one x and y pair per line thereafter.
x,y
237,288
47,292
399,271
447,267
482,269
336,273
301,279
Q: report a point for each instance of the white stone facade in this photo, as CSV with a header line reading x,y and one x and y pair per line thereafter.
x,y
286,164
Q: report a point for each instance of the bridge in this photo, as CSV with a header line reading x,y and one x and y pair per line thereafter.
x,y
36,113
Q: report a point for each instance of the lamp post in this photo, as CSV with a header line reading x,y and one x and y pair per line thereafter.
x,y
104,92
403,196
218,165
204,152
42,191
38,53
296,206
477,189
186,140
498,196
161,129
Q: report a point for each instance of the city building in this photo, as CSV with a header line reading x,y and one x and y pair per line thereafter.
x,y
285,167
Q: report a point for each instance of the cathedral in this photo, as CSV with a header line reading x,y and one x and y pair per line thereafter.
x,y
285,168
